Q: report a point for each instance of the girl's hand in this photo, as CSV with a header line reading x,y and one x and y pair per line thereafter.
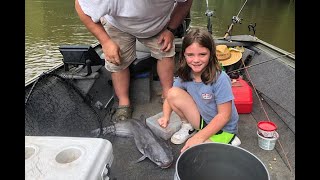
x,y
194,140
163,122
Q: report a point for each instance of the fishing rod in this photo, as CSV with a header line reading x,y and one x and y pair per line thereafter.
x,y
209,14
235,19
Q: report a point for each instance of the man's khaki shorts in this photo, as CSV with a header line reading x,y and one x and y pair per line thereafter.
x,y
127,44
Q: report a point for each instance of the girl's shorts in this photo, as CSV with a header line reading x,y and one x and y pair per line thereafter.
x,y
220,136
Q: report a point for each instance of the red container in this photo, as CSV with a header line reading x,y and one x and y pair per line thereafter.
x,y
267,128
242,93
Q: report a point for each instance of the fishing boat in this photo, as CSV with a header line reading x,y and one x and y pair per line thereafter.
x,y
75,97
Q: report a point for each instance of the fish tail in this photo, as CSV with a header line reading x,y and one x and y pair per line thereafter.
x,y
140,159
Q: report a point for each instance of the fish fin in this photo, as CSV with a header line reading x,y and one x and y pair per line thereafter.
x,y
143,119
140,159
96,132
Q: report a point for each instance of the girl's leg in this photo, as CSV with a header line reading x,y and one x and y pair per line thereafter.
x,y
182,103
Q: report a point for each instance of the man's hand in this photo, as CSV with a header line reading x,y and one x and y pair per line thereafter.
x,y
111,52
166,38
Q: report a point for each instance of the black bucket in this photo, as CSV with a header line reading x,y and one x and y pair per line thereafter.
x,y
217,161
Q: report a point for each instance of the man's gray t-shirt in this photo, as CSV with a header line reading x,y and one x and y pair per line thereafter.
x,y
141,18
207,97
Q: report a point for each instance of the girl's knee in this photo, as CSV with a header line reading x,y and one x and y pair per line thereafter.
x,y
174,92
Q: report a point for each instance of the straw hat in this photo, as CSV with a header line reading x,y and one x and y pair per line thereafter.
x,y
226,56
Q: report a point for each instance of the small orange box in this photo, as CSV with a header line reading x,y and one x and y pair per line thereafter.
x,y
242,93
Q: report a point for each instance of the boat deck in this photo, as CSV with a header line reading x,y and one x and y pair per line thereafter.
x,y
72,117
126,153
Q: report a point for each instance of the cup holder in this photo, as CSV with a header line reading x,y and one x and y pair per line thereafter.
x,y
68,155
29,152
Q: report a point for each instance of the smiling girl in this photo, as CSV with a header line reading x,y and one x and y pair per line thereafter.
x,y
201,95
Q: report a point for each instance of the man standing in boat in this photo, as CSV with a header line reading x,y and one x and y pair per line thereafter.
x,y
152,22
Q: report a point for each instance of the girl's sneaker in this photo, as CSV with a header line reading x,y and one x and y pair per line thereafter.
x,y
183,134
236,141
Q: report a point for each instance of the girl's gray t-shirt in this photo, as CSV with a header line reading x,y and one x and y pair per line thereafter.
x,y
207,97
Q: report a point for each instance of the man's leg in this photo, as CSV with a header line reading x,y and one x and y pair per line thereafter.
x,y
121,82
165,69
165,63
121,74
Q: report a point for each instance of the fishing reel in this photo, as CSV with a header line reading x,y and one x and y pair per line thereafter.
x,y
209,14
236,19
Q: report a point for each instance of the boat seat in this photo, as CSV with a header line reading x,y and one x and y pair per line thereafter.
x,y
81,65
80,56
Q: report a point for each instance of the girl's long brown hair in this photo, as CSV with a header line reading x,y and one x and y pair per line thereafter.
x,y
205,39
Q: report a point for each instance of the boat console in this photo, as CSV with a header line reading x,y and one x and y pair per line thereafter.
x,y
80,55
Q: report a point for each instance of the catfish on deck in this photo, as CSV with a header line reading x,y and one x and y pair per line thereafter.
x,y
147,143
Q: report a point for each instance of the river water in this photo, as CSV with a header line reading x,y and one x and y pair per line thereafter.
x,y
52,23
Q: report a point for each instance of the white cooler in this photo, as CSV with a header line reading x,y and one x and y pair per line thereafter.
x,y
59,158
